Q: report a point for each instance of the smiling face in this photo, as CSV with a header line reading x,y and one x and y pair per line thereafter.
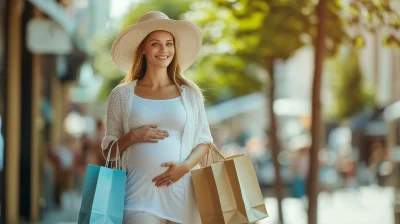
x,y
159,49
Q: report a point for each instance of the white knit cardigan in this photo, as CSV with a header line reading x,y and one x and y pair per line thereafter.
x,y
196,131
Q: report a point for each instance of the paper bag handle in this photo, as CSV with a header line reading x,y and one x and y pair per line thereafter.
x,y
117,159
214,148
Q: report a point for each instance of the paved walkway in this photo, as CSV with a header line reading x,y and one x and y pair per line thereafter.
x,y
369,205
71,202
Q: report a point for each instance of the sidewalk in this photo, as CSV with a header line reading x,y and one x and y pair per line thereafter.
x,y
69,215
368,205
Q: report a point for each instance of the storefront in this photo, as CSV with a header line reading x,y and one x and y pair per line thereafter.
x,y
27,76
40,56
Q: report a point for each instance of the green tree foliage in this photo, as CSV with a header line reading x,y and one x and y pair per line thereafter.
x,y
360,16
372,16
277,28
359,8
220,70
173,8
257,32
238,39
245,36
103,64
348,86
224,77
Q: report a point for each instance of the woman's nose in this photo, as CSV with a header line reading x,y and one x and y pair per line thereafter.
x,y
163,48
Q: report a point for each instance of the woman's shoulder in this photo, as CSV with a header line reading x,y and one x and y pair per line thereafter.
x,y
123,88
194,88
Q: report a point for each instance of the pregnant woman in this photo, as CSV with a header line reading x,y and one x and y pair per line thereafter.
x,y
157,119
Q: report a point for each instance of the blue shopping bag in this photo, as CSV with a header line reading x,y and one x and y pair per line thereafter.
x,y
103,194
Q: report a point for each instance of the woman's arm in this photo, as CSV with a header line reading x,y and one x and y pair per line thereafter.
x,y
196,156
113,125
115,132
123,144
146,133
177,170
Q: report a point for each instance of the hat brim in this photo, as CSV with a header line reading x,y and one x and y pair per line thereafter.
x,y
187,35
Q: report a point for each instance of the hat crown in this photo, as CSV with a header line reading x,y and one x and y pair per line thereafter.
x,y
152,15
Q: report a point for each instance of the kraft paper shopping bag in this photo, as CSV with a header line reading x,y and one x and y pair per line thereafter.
x,y
227,191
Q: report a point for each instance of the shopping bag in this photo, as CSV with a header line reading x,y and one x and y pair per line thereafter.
x,y
227,191
103,194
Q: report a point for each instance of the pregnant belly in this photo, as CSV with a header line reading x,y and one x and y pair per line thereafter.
x,y
144,160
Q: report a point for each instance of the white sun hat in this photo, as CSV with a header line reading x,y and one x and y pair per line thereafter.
x,y
188,39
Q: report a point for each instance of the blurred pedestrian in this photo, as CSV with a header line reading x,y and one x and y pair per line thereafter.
x,y
51,168
65,174
95,155
376,158
347,168
300,170
81,158
157,119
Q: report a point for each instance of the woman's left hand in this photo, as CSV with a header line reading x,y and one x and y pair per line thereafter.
x,y
174,173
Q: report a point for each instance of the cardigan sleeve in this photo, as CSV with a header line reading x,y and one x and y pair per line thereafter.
x,y
205,136
114,121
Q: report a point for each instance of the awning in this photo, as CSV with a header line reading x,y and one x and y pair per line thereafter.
x,y
57,12
287,107
234,107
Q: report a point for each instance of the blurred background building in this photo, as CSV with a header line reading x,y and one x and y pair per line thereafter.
x,y
44,45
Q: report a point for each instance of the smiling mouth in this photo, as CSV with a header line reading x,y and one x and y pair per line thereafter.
x,y
162,57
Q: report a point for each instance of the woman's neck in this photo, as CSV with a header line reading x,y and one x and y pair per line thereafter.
x,y
155,78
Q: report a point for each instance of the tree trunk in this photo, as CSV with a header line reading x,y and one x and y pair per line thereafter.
x,y
316,128
274,143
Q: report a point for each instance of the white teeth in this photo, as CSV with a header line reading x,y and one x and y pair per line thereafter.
x,y
163,57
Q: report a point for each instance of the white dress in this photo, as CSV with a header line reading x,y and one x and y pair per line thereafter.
x,y
143,160
196,131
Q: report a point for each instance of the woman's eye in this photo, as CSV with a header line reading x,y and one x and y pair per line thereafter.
x,y
170,44
154,44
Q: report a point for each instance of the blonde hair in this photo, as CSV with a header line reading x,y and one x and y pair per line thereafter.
x,y
139,66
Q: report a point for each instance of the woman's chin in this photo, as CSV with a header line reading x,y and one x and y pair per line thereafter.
x,y
162,64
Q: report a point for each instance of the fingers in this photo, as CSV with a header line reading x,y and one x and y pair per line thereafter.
x,y
164,175
159,134
163,182
152,134
149,133
152,141
168,164
169,183
153,128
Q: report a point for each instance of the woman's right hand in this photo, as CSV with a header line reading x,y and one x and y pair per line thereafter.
x,y
148,133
